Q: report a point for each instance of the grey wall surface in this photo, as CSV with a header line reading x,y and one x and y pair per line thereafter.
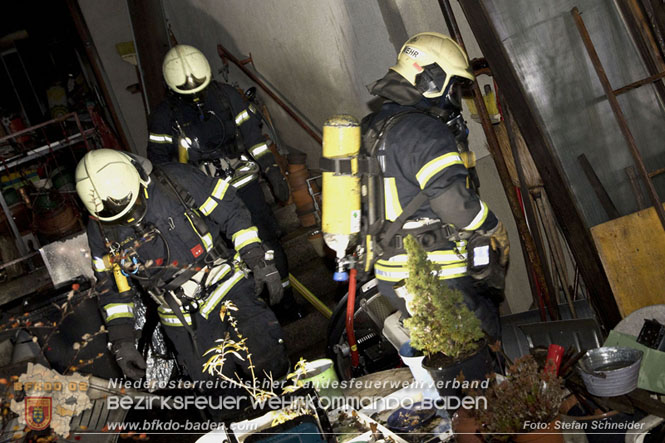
x,y
541,38
109,23
318,55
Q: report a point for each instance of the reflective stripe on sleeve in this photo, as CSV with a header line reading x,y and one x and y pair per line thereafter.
x,y
209,206
217,193
119,310
479,219
242,117
98,264
259,150
219,293
245,237
160,138
393,207
435,166
240,182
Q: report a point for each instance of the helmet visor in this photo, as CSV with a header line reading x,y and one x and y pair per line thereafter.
x,y
113,207
431,79
191,83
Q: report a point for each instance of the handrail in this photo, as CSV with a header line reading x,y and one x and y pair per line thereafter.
x,y
225,55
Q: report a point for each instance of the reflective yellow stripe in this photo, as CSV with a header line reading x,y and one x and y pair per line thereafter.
x,y
207,241
396,273
217,273
259,149
240,182
393,208
437,165
217,193
245,237
98,264
209,206
242,117
438,257
220,189
160,138
167,318
119,310
479,219
219,293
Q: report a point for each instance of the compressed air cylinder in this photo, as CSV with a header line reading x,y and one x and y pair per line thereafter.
x,y
120,280
341,189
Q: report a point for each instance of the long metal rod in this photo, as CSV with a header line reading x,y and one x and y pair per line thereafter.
x,y
225,54
502,169
618,114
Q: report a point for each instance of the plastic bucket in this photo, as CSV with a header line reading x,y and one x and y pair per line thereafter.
x,y
321,375
422,377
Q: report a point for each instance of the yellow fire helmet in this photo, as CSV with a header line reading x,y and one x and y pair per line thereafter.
x,y
186,70
110,186
429,61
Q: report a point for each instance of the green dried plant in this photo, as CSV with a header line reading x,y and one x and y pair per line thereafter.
x,y
527,394
440,321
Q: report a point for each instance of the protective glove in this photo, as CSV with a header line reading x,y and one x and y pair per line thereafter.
x,y
280,187
262,264
129,359
500,243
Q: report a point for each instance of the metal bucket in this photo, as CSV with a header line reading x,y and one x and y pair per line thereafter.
x,y
610,371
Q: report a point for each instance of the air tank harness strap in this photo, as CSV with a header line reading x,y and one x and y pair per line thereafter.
x,y
395,226
366,165
175,307
431,237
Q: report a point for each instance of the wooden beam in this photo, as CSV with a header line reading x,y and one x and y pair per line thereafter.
x,y
152,44
555,183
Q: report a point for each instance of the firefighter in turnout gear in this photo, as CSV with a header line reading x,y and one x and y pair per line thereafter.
x,y
209,125
415,138
161,228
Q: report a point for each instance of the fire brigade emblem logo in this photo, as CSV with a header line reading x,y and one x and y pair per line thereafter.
x,y
38,412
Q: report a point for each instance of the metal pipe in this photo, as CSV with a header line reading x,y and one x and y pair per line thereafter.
x,y
225,54
504,175
618,114
350,312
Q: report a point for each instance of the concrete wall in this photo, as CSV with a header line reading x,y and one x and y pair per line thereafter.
x,y
319,55
109,23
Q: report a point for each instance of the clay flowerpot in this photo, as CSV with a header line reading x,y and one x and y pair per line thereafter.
x,y
550,434
465,427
